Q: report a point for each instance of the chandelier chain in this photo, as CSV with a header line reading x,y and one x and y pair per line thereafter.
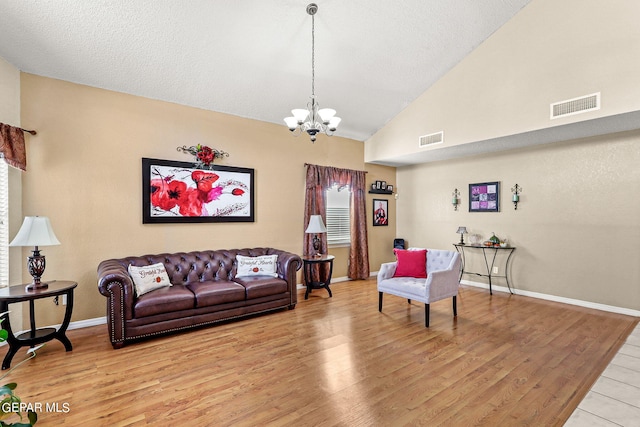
x,y
313,56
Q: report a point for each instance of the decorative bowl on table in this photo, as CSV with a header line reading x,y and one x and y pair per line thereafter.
x,y
474,239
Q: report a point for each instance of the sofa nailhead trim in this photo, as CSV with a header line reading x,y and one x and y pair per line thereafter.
x,y
113,325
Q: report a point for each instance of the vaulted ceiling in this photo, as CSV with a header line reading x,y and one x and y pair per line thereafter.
x,y
252,58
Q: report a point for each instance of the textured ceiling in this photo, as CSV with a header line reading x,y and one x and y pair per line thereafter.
x,y
252,58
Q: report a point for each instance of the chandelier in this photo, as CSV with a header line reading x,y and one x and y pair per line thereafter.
x,y
313,119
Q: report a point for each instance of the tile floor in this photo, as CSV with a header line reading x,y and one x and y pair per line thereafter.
x,y
614,400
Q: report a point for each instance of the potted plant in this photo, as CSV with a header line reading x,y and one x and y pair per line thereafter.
x,y
10,403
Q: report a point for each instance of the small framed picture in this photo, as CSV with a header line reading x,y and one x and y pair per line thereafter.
x,y
378,185
390,187
383,185
373,186
380,212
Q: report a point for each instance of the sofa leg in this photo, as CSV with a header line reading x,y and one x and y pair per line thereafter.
x,y
118,344
455,306
426,315
380,302
409,301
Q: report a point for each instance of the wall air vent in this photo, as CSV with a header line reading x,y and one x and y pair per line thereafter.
x,y
575,106
434,138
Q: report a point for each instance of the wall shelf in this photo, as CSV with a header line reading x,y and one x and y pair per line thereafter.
x,y
380,192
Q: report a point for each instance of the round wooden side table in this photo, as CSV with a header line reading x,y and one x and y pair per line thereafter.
x,y
35,336
311,284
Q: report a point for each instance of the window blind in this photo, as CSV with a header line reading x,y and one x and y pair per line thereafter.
x,y
4,223
338,229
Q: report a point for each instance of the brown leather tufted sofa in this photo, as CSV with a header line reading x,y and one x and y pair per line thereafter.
x,y
204,291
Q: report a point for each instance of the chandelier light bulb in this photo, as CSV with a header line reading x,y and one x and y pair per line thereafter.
x,y
333,123
291,122
326,114
300,114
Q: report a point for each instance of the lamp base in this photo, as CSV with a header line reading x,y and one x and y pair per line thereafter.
x,y
31,287
36,264
316,245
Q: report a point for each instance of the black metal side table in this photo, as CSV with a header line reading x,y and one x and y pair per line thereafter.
x,y
461,247
308,263
35,336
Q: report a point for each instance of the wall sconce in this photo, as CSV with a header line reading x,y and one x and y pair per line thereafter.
x,y
455,201
462,231
516,195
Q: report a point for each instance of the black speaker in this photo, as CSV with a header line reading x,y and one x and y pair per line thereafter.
x,y
398,243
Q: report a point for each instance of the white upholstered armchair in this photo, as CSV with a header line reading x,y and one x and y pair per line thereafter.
x,y
443,280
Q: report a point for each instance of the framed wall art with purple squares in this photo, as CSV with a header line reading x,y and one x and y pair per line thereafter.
x,y
484,197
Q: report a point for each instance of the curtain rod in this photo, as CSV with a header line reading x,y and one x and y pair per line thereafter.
x,y
310,164
32,132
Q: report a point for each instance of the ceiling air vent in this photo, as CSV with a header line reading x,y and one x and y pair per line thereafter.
x,y
575,106
434,138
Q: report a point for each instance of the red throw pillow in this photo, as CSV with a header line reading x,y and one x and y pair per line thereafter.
x,y
411,263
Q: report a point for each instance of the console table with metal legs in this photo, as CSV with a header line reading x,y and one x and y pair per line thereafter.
x,y
489,261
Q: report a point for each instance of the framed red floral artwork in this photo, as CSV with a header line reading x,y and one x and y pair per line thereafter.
x,y
178,192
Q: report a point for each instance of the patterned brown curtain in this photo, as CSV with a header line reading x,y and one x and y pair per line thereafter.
x,y
12,146
319,180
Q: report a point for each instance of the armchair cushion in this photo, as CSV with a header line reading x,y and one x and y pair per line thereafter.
x,y
411,263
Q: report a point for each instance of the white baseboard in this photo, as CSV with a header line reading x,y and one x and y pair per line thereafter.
x,y
79,324
87,322
73,325
333,280
571,301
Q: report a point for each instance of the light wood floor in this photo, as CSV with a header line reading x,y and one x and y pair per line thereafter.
x,y
506,360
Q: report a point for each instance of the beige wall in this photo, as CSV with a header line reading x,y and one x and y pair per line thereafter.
x,y
576,228
85,174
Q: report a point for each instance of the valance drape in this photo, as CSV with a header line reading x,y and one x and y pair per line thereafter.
x,y
318,180
12,146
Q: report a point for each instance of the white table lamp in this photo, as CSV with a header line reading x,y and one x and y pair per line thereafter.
x,y
316,226
35,231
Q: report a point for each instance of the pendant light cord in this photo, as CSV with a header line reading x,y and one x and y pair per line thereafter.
x,y
313,57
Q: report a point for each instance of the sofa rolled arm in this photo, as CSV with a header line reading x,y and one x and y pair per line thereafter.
x,y
288,264
115,283
387,270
